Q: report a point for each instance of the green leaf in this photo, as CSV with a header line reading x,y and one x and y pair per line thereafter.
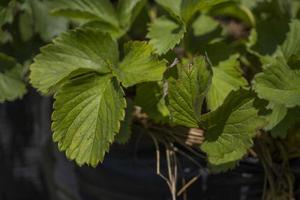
x,y
128,10
173,7
276,37
140,65
11,79
279,84
207,4
26,26
89,10
46,25
71,54
86,117
149,96
164,34
7,13
291,119
188,9
276,116
291,45
125,131
230,129
187,92
204,24
181,10
105,28
227,76
235,10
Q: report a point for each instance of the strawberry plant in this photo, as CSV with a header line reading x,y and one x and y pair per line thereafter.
x,y
219,77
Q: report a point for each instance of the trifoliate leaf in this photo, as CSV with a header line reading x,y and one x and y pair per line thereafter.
x,y
88,10
140,65
230,128
291,119
11,79
187,91
164,34
227,76
125,130
128,11
86,117
279,84
80,50
149,96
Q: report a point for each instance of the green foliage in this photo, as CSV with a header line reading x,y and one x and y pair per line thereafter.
x,y
125,129
227,76
86,117
71,54
237,71
291,120
80,68
230,128
164,34
150,98
102,14
186,92
139,65
279,84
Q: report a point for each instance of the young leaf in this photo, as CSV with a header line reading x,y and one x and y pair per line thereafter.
x,y
89,10
227,76
279,84
11,79
86,117
187,91
230,128
164,34
82,49
139,65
